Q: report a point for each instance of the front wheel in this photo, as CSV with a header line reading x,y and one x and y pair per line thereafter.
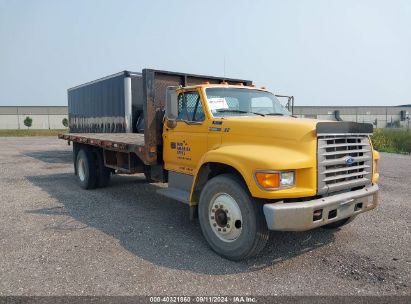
x,y
232,222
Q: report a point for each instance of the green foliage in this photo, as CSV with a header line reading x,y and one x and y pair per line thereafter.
x,y
65,122
28,121
392,140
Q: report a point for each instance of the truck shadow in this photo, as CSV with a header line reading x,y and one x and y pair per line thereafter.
x,y
155,228
51,156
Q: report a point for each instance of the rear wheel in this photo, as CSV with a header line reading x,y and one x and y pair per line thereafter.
x,y
104,173
232,222
86,169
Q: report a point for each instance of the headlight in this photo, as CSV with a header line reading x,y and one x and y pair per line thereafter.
x,y
287,179
271,180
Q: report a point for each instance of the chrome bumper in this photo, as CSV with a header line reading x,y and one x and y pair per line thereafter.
x,y
299,216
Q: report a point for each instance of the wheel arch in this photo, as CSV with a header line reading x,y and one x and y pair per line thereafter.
x,y
206,172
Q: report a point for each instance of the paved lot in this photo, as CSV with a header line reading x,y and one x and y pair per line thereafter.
x,y
57,239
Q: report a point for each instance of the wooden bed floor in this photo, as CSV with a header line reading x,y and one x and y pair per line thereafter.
x,y
126,138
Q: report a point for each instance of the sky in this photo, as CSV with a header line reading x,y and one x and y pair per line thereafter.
x,y
347,52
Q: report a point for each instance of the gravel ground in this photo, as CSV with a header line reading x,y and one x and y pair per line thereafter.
x,y
57,239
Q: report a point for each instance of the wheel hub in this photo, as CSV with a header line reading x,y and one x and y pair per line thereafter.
x,y
221,218
225,217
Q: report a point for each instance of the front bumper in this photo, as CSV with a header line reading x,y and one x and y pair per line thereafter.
x,y
299,216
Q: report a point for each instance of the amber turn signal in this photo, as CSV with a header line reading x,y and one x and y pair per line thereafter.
x,y
268,180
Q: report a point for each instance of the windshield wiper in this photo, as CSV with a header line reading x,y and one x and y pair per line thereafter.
x,y
239,111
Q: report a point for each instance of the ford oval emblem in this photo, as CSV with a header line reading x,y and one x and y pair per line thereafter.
x,y
349,160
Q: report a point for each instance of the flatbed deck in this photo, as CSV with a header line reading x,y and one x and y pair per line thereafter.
x,y
125,142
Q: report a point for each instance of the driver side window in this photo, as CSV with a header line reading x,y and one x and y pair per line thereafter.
x,y
190,107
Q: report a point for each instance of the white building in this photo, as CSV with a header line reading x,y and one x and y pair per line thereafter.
x,y
43,117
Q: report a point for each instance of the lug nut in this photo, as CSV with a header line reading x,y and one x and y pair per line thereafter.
x,y
216,206
219,229
228,225
214,224
212,210
224,230
212,217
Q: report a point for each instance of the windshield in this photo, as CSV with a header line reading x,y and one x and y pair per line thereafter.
x,y
224,102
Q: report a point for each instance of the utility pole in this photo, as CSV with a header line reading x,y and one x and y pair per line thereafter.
x,y
386,116
18,118
48,117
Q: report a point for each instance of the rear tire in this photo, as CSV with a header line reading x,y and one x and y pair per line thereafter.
x,y
339,223
104,173
86,169
232,222
75,153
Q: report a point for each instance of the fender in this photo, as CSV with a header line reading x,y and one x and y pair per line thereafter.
x,y
247,158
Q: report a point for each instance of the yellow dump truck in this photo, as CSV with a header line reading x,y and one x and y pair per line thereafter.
x,y
238,158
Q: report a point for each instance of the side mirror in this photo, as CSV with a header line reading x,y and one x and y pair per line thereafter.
x,y
171,107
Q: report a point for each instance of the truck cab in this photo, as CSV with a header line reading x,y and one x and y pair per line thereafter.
x,y
234,150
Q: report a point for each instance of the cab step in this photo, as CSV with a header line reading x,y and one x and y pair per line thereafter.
x,y
176,194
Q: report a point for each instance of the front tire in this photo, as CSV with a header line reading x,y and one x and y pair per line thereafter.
x,y
86,169
232,222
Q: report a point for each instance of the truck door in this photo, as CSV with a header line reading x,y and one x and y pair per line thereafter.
x,y
185,144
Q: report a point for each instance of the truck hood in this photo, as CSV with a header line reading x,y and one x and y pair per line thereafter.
x,y
269,143
280,128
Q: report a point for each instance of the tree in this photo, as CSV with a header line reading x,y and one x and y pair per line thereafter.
x,y
65,122
28,121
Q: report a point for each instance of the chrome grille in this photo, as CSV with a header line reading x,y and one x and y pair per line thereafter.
x,y
334,171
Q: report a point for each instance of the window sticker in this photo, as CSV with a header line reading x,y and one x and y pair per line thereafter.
x,y
217,103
